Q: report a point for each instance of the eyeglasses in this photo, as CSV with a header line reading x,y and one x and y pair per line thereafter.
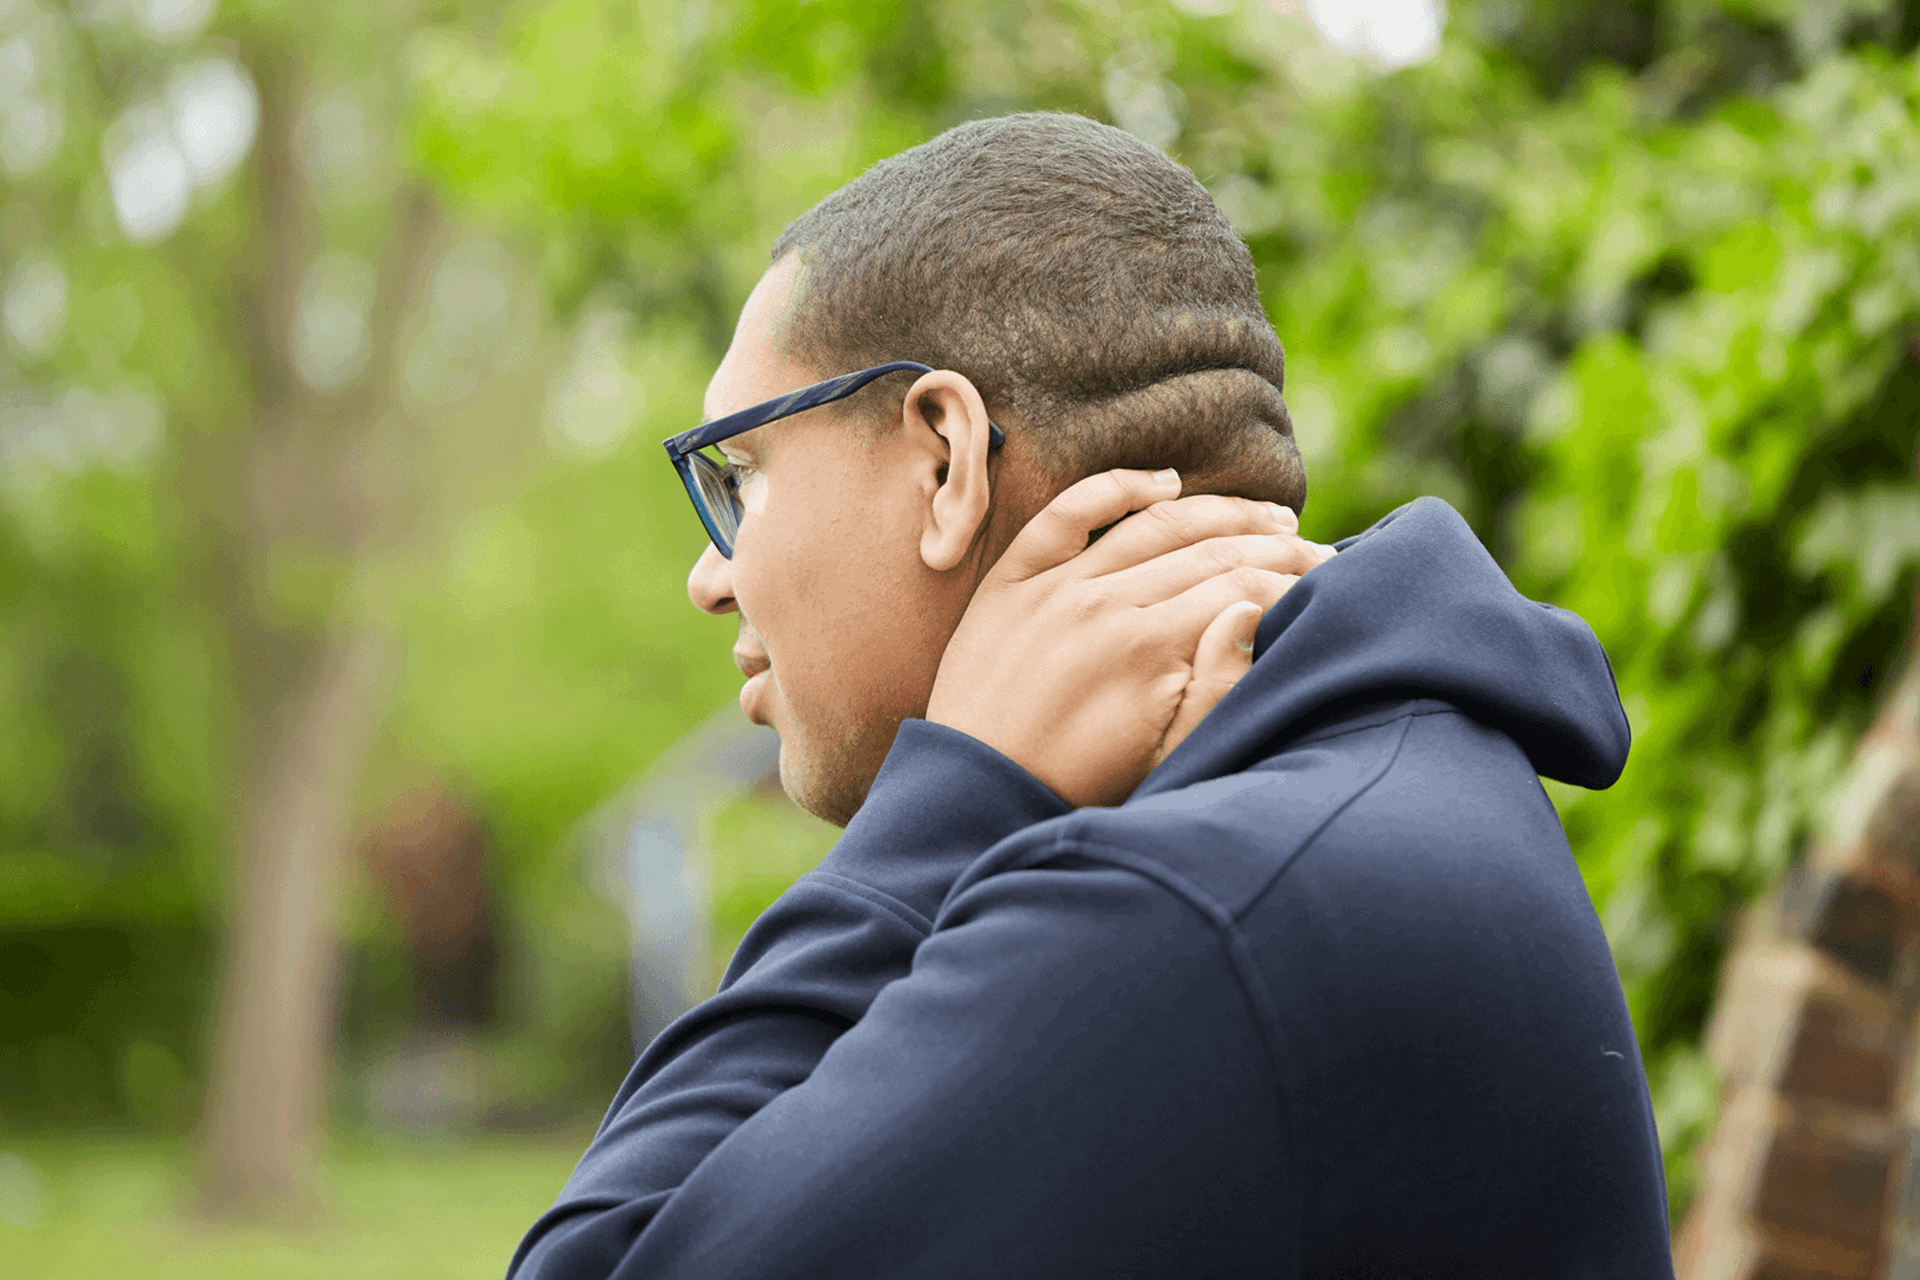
x,y
712,482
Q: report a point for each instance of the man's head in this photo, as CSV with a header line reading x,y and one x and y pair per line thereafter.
x,y
1060,275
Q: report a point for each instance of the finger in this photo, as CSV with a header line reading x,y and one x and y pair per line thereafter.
x,y
1224,655
1181,620
1168,526
1166,576
1060,531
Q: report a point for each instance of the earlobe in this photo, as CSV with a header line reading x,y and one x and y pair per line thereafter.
x,y
947,405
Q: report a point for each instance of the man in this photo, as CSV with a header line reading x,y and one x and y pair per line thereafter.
x,y
1140,956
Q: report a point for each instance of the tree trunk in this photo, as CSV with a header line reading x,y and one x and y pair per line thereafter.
x,y
267,1096
312,489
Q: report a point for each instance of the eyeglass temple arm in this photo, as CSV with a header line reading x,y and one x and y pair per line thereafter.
x,y
799,402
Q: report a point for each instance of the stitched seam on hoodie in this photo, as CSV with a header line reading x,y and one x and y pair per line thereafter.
x,y
1330,735
892,905
1253,986
1387,759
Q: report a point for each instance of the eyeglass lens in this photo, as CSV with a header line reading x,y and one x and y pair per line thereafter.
x,y
721,499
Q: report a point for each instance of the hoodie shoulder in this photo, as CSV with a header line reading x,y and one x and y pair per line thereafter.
x,y
1415,608
1392,785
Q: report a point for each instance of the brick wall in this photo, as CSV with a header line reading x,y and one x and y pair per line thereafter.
x,y
1813,1169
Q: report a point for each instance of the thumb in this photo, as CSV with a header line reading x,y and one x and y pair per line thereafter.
x,y
1224,654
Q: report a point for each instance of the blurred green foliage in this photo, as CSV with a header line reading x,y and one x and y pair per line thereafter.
x,y
760,844
1635,286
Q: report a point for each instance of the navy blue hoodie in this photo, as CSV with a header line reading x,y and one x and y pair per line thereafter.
x,y
1325,998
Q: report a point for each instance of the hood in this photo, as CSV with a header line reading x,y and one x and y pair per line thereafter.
x,y
1415,608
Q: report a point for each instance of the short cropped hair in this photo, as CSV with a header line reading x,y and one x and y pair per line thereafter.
x,y
1086,284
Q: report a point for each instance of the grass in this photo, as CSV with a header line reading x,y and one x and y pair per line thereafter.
x,y
419,1210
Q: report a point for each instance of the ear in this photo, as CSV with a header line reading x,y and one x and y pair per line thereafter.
x,y
944,409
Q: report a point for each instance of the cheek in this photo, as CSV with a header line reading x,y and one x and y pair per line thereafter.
x,y
791,542
837,624
753,493
827,572
776,578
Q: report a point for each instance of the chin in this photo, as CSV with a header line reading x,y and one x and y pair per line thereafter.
x,y
817,796
832,784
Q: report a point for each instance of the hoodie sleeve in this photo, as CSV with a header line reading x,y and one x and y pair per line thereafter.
x,y
1071,1081
806,971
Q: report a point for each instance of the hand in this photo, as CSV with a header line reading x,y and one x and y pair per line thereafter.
x,y
1087,665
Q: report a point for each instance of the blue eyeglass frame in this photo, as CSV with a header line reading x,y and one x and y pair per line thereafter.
x,y
708,483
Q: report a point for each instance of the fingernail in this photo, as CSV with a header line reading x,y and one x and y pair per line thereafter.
x,y
1166,475
1285,515
1245,643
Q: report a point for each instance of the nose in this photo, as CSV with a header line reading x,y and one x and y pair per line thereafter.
x,y
710,585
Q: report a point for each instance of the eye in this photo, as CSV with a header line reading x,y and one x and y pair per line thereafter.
x,y
739,474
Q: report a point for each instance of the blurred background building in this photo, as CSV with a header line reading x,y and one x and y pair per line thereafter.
x,y
651,854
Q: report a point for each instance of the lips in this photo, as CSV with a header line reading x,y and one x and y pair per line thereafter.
x,y
754,665
752,694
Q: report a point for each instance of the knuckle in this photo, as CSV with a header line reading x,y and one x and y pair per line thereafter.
x,y
1224,555
1063,506
1252,582
1088,604
1167,515
1288,555
1141,653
